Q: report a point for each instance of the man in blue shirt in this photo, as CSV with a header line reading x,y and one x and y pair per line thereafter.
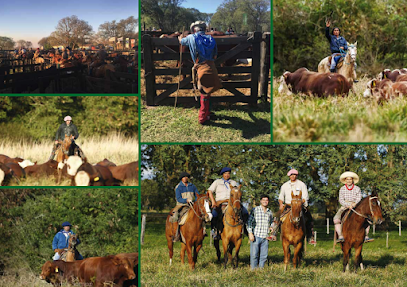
x,y
203,51
61,241
185,192
338,44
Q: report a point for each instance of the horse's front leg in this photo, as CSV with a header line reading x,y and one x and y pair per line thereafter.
x,y
196,250
216,244
190,257
346,250
183,248
286,248
225,243
237,246
297,254
358,257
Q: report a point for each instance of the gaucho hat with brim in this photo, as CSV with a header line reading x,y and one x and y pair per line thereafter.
x,y
197,23
347,174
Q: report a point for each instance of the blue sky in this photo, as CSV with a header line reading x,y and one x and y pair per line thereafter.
x,y
31,20
206,6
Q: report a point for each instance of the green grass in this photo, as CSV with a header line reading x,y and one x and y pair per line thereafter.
x,y
235,123
320,267
299,118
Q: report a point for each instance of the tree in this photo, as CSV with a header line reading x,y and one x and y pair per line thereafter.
x,y
21,43
6,43
71,31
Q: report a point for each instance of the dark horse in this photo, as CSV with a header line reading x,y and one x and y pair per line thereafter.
x,y
232,232
293,231
366,211
191,231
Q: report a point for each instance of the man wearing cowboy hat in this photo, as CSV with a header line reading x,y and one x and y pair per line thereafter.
x,y
61,241
349,197
295,185
221,188
185,193
69,129
203,51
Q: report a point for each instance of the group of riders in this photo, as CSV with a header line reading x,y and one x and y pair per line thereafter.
x,y
186,193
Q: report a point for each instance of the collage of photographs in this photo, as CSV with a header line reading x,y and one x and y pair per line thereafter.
x,y
213,143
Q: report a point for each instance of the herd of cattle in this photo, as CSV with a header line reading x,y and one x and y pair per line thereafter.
x,y
387,85
79,171
120,270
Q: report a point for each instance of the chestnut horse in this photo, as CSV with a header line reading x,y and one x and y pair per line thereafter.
x,y
192,230
293,231
367,211
69,254
232,232
62,154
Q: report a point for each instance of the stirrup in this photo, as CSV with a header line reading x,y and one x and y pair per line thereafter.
x,y
340,239
368,239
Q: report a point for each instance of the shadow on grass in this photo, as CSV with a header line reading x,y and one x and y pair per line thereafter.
x,y
385,260
250,129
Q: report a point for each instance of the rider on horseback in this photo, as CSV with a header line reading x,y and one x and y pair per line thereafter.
x,y
221,187
294,185
61,241
185,193
338,45
69,129
101,59
349,197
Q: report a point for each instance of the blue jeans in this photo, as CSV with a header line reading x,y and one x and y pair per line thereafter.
x,y
335,59
258,252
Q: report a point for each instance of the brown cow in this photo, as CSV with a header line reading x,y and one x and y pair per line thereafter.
x,y
380,90
57,272
17,169
312,83
106,269
45,169
6,174
93,175
128,171
399,89
392,75
133,258
6,159
401,78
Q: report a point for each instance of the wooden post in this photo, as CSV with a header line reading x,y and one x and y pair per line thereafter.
x,y
399,227
315,234
255,67
149,74
143,227
387,239
374,228
264,65
327,226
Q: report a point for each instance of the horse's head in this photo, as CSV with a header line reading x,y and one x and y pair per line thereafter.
x,y
66,143
72,240
296,207
235,197
375,209
352,51
202,206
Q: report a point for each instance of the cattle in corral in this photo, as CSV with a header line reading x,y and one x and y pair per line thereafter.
x,y
26,163
108,269
17,170
72,164
313,83
401,78
391,74
48,168
106,162
6,159
93,175
380,90
133,258
128,171
399,89
57,272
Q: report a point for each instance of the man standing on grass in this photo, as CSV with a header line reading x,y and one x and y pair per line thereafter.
x,y
258,226
203,51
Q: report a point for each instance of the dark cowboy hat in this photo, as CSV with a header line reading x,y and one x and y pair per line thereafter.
x,y
184,174
66,223
225,169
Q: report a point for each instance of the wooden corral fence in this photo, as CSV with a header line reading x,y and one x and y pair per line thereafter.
x,y
255,47
116,82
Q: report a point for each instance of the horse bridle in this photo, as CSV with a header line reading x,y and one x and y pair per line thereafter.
x,y
237,211
200,209
350,46
291,212
371,210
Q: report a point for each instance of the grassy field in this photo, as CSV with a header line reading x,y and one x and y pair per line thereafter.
x,y
115,147
320,267
299,118
234,122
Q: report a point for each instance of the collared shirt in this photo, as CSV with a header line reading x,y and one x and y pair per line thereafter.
x,y
347,197
184,192
191,43
221,188
259,222
286,188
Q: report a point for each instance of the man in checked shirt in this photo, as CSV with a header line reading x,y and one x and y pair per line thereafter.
x,y
349,197
258,226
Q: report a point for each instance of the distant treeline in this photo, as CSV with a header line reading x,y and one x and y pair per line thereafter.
x,y
38,117
105,219
379,27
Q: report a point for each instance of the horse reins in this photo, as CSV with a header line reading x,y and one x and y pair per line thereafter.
x,y
371,210
291,213
200,210
238,212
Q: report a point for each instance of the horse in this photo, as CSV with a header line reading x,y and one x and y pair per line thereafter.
x,y
192,232
348,67
70,254
367,211
62,154
293,231
232,232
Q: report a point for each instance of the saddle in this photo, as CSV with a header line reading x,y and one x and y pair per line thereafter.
x,y
183,215
338,64
345,215
285,213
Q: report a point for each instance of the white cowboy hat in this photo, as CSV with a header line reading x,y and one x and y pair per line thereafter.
x,y
197,23
349,174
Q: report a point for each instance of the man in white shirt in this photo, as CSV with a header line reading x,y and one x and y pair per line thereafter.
x,y
295,185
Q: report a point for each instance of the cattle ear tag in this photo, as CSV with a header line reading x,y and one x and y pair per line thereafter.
x,y
96,178
374,84
385,76
56,269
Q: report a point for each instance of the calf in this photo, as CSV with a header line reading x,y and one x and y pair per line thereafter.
x,y
93,175
133,258
57,272
6,173
391,75
6,159
48,168
385,90
17,170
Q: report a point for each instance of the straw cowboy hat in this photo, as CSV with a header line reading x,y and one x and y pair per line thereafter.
x,y
199,24
349,174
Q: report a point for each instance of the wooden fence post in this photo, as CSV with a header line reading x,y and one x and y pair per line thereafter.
x,y
264,65
374,228
254,91
149,74
143,227
327,226
399,227
387,239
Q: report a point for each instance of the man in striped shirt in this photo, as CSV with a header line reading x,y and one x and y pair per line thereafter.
x,y
349,197
258,227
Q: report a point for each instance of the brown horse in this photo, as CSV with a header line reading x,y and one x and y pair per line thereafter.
x,y
191,231
62,154
71,252
367,211
232,232
293,231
